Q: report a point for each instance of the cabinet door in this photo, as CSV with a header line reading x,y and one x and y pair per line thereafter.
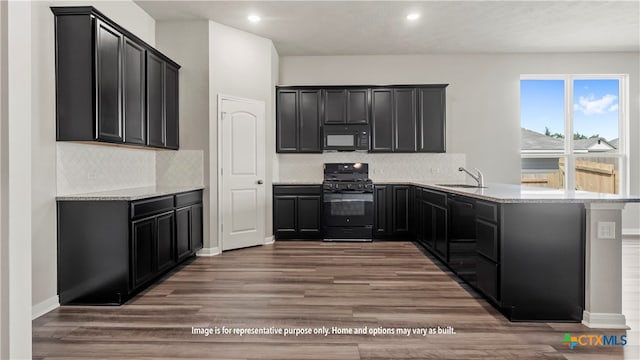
x,y
439,216
487,277
381,120
431,120
358,106
108,81
426,213
401,212
284,216
143,250
183,233
155,101
286,121
171,131
196,227
404,108
166,241
309,222
382,213
133,93
335,106
309,121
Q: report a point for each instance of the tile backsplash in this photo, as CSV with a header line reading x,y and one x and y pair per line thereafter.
x,y
85,168
180,168
382,167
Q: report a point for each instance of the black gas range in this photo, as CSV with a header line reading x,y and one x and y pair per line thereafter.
x,y
348,202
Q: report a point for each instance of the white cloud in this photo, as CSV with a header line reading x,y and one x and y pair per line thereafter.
x,y
590,105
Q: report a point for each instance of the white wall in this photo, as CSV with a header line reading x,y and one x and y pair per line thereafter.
x,y
19,100
187,43
43,148
240,64
4,191
483,99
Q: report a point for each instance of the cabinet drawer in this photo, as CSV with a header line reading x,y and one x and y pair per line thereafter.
x,y
487,211
188,198
487,277
435,197
487,239
297,189
151,206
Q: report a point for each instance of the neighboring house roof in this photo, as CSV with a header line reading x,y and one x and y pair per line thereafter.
x,y
531,140
535,141
615,143
592,145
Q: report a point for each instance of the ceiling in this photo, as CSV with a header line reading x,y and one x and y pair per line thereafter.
x,y
381,27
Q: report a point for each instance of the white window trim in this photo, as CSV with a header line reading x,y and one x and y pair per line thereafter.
x,y
569,156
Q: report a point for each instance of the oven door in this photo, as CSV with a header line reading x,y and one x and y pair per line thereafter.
x,y
348,209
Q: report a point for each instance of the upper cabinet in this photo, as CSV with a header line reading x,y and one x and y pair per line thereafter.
x,y
110,85
346,106
402,118
298,121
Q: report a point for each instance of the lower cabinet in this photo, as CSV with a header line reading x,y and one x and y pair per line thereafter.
x,y
297,211
123,245
392,215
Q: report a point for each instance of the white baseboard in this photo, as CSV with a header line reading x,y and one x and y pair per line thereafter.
x,y
631,233
208,251
269,240
604,320
44,307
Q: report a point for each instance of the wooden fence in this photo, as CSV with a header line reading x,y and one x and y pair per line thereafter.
x,y
590,176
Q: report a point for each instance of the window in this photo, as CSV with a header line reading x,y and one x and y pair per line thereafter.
x,y
573,132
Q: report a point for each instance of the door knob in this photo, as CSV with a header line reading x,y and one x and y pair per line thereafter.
x,y
259,182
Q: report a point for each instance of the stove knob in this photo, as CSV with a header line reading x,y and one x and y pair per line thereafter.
x,y
359,186
348,186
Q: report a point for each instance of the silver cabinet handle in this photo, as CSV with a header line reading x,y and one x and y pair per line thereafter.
x,y
259,182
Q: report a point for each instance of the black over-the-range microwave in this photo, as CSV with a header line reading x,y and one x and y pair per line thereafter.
x,y
346,137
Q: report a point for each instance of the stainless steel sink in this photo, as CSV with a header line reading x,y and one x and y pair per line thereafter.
x,y
462,186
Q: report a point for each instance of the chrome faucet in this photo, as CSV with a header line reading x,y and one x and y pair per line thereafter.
x,y
478,178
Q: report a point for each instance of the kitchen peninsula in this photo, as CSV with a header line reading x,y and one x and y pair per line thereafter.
x,y
530,251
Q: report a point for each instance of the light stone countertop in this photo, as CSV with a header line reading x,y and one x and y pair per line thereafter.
x,y
508,193
128,194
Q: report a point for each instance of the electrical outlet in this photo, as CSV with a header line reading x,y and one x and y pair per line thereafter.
x,y
606,230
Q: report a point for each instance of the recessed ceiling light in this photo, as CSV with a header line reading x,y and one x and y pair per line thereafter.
x,y
413,16
253,18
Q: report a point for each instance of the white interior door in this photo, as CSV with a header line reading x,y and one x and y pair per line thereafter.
x,y
241,160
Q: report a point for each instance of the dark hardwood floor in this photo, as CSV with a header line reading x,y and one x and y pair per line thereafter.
x,y
310,285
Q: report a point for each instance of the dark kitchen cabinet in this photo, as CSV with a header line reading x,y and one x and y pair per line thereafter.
x,y
431,119
125,245
162,103
110,85
392,211
402,118
188,224
152,247
382,215
143,250
297,211
133,93
346,106
382,120
393,121
298,117
109,77
435,222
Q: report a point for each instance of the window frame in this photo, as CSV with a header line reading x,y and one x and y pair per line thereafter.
x,y
569,155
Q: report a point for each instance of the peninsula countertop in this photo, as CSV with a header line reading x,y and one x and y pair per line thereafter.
x,y
503,193
129,194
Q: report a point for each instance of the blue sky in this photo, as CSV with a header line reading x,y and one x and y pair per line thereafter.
x,y
595,106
